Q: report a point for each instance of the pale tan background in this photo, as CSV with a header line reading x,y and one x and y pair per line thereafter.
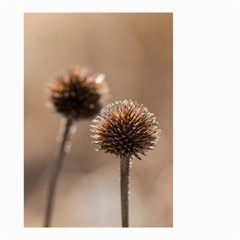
x,y
135,51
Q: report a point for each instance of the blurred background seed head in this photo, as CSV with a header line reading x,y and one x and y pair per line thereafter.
x,y
78,93
135,52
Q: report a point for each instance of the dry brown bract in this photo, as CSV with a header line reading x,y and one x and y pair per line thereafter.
x,y
126,129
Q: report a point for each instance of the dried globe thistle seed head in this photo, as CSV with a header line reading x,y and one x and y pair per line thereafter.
x,y
78,93
126,129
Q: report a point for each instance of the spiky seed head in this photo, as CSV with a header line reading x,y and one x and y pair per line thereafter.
x,y
126,129
77,93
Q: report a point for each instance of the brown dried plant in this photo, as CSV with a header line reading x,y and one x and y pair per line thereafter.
x,y
125,129
76,94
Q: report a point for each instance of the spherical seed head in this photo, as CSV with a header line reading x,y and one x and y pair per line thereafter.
x,y
126,129
78,94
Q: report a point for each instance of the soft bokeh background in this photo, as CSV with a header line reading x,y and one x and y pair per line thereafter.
x,y
135,51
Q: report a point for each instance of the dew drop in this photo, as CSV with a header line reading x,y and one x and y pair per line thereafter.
x,y
99,79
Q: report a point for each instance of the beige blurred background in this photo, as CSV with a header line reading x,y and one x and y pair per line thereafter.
x,y
135,51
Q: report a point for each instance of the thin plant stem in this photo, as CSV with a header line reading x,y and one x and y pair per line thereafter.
x,y
63,141
124,184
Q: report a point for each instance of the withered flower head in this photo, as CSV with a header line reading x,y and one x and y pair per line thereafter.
x,y
77,93
126,129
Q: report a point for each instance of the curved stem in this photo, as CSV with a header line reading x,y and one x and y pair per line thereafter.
x,y
64,138
124,183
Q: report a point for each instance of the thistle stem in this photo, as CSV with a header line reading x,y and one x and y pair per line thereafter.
x,y
64,138
124,184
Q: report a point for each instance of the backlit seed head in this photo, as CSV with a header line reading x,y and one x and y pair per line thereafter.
x,y
78,94
126,129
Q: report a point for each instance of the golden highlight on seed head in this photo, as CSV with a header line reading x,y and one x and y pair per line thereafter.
x,y
126,129
77,93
